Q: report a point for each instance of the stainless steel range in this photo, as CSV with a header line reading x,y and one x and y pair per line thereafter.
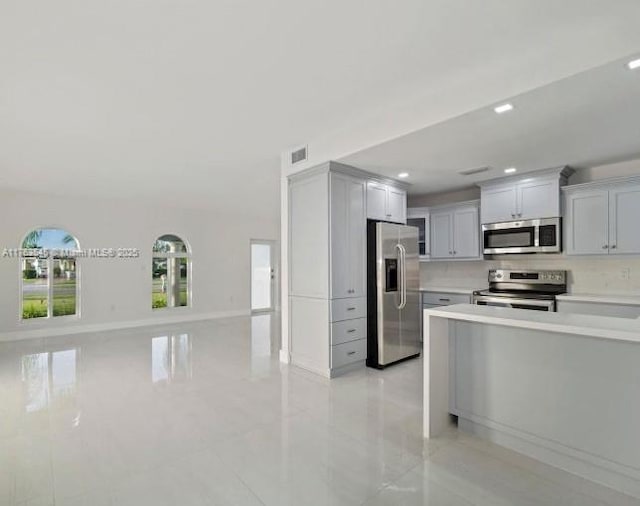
x,y
535,290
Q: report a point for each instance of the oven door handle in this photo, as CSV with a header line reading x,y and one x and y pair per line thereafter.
x,y
521,302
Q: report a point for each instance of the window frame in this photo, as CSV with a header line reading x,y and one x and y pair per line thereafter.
x,y
50,262
181,254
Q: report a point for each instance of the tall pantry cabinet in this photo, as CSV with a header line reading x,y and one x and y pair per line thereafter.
x,y
327,244
327,269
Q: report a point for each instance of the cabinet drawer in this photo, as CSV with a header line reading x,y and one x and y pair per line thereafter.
x,y
348,330
599,309
348,309
445,299
348,353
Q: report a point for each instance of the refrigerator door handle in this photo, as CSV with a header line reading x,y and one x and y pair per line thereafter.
x,y
399,274
403,276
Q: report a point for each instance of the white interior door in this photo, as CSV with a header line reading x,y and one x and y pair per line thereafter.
x,y
263,276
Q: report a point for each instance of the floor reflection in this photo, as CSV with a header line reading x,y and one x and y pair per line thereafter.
x,y
244,428
264,341
171,358
50,381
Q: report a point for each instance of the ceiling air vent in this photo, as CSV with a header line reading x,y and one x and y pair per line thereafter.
x,y
469,172
299,155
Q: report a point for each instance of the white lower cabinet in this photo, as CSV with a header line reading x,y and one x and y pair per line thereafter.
x,y
348,330
430,300
348,309
348,353
598,308
445,298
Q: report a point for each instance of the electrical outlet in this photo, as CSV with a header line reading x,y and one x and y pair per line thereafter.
x,y
625,273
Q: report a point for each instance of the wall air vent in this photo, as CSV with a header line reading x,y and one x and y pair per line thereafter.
x,y
469,172
299,155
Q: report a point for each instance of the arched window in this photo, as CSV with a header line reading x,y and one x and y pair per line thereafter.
x,y
49,286
170,271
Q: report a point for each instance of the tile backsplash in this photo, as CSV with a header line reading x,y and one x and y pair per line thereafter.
x,y
599,274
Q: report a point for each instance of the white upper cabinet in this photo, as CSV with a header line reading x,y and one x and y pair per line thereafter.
x,y
386,203
624,213
538,199
587,223
308,236
441,234
527,198
602,218
455,232
419,217
498,204
376,201
348,237
396,205
466,233
358,237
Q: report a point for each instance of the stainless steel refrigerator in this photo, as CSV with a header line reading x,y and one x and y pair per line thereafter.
x,y
393,295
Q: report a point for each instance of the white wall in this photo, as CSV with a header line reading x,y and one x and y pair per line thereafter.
x,y
620,169
437,199
117,292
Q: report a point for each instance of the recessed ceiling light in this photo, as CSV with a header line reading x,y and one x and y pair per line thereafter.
x,y
634,64
503,108
510,170
403,175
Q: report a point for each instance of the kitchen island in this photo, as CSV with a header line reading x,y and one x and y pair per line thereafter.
x,y
561,388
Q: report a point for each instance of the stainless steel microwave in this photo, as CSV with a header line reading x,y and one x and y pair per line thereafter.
x,y
524,236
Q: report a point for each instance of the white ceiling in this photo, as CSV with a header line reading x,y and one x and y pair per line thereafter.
x,y
192,101
587,120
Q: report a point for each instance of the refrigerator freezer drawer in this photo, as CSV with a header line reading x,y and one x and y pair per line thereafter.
x,y
348,309
348,353
348,330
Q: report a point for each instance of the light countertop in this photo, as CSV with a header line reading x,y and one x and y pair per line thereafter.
x,y
604,327
629,300
461,290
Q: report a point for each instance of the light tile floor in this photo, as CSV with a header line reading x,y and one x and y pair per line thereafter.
x,y
204,414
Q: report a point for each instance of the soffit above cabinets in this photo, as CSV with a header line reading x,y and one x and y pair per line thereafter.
x,y
586,120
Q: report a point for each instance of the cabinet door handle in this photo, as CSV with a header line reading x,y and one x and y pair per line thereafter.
x,y
351,353
455,252
351,309
605,246
444,300
519,215
450,252
614,246
513,215
351,331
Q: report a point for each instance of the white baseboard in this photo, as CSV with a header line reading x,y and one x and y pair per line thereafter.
x,y
302,364
587,466
285,358
80,328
